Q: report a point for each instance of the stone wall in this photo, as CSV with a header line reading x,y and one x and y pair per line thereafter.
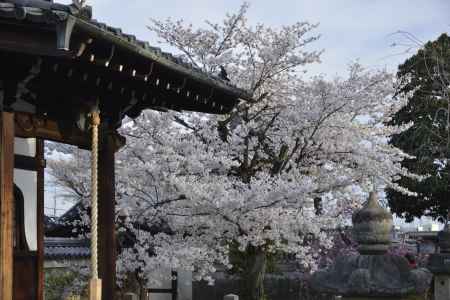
x,y
276,287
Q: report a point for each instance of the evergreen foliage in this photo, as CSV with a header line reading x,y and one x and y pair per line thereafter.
x,y
424,77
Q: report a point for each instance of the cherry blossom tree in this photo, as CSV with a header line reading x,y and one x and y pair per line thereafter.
x,y
246,183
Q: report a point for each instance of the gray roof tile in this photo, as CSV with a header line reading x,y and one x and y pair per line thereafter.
x,y
66,248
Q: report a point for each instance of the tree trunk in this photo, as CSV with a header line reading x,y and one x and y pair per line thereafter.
x,y
253,275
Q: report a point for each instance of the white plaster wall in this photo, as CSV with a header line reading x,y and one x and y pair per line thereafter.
x,y
27,182
184,287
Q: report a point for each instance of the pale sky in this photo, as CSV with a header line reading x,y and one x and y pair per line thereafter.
x,y
350,29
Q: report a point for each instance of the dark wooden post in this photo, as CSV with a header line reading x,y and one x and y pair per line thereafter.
x,y
174,285
106,218
6,204
40,216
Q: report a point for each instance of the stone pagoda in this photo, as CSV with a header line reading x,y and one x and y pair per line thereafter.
x,y
373,273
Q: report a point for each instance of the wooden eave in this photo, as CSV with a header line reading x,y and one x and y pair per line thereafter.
x,y
102,61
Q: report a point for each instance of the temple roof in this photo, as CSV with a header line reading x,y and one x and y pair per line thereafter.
x,y
66,248
64,225
71,43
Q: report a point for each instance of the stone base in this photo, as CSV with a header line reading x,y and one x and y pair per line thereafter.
x,y
413,297
442,287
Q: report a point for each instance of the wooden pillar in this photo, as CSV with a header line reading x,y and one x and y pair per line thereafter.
x,y
6,204
40,216
106,218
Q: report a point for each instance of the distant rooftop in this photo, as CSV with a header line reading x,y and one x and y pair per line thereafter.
x,y
66,248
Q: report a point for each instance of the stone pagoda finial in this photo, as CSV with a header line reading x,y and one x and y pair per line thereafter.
x,y
372,227
373,272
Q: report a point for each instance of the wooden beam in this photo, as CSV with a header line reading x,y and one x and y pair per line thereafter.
x,y
6,204
28,163
106,218
32,126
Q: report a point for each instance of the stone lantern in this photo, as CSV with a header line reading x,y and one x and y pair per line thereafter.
x,y
439,264
373,273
